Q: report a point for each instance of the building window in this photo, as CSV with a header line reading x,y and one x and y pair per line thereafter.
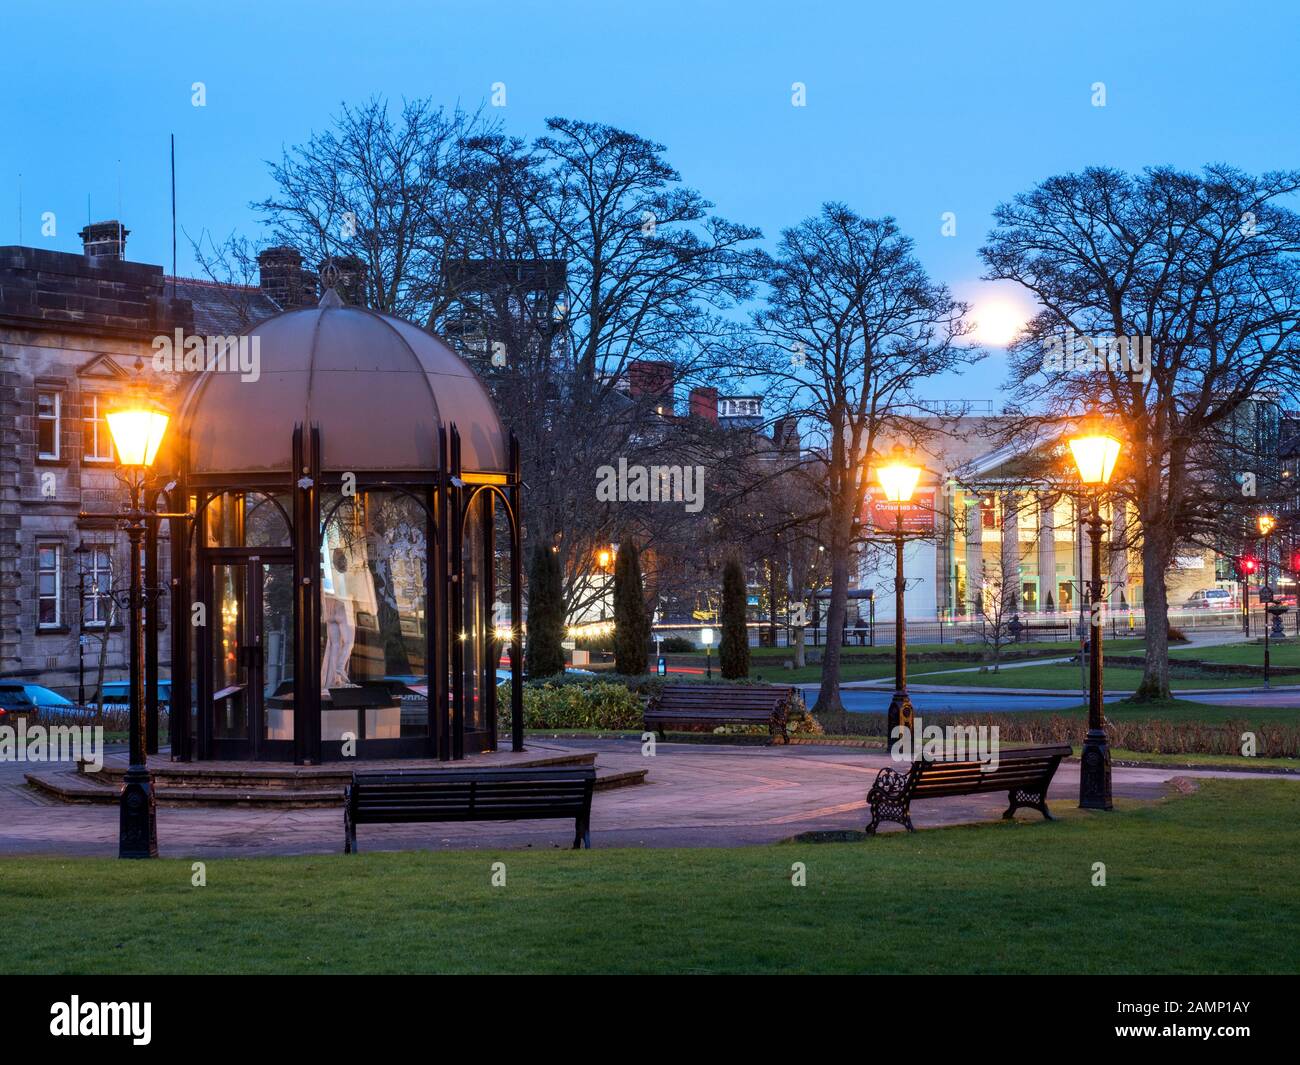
x,y
98,607
97,442
48,415
49,581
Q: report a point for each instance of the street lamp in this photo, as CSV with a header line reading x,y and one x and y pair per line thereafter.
x,y
137,428
706,638
1266,523
1095,452
898,479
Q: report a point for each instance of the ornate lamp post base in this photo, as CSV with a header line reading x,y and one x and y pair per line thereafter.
x,y
138,827
1094,772
901,714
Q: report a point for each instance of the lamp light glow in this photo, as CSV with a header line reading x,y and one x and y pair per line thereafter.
x,y
898,477
1095,452
137,429
706,637
1266,524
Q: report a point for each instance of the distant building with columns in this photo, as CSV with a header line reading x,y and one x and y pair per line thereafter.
x,y
987,517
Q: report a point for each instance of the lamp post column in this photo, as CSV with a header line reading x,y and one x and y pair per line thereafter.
x,y
901,714
138,826
1094,774
1266,606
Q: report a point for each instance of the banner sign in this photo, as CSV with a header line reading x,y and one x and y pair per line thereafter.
x,y
882,516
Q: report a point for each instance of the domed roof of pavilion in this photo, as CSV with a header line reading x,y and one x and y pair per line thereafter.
x,y
378,387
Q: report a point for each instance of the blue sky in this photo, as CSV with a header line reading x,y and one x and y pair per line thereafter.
x,y
913,109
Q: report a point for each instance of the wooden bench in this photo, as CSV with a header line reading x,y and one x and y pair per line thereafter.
x,y
1023,773
710,705
409,796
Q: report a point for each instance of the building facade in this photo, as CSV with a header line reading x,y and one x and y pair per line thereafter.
x,y
75,331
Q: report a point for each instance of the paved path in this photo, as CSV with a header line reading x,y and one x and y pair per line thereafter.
x,y
696,795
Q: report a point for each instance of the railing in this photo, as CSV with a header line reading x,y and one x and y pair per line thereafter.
x,y
1059,627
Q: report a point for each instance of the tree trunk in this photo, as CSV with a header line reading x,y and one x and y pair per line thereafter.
x,y
100,667
1155,603
829,709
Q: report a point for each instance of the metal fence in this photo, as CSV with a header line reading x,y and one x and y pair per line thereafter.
x,y
1059,627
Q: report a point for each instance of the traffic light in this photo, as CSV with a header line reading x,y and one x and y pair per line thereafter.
x,y
1249,565
1295,562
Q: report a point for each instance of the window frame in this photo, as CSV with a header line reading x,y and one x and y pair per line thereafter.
x,y
57,419
91,400
94,598
57,596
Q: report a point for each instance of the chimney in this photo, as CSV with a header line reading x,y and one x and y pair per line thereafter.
x,y
704,404
104,241
652,380
785,434
280,276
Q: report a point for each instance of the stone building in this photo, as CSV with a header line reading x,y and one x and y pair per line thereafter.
x,y
74,332
990,518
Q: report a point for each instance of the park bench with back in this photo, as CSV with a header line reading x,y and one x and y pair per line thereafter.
x,y
711,705
1024,773
431,795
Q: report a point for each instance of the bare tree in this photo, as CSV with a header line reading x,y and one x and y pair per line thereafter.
x,y
997,606
852,324
385,187
1168,300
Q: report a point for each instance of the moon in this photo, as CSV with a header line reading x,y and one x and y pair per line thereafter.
x,y
997,322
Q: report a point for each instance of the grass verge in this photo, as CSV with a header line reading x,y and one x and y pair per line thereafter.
x,y
1198,884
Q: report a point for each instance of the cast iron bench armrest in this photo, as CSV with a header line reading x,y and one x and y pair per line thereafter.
x,y
1024,773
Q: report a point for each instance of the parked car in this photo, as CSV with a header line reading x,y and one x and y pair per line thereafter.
x,y
15,696
1211,599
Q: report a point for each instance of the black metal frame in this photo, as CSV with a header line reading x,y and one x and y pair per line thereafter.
x,y
446,499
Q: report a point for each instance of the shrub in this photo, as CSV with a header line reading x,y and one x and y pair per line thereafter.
x,y
594,705
676,645
631,620
544,654
733,651
1155,736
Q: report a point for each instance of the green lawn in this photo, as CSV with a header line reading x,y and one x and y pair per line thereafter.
x,y
1048,648
1196,884
1281,653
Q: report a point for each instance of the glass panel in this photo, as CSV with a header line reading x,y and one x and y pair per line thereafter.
x,y
229,671
277,649
373,624
248,519
478,700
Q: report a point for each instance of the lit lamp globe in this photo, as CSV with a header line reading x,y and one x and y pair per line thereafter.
x,y
1095,452
898,477
137,429
1266,524
706,637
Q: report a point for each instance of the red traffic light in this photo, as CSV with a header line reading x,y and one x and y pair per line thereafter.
x,y
1249,564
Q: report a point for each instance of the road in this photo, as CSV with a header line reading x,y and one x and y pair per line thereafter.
x,y
875,700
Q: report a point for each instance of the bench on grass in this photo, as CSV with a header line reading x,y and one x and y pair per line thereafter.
x,y
413,796
1023,773
710,705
